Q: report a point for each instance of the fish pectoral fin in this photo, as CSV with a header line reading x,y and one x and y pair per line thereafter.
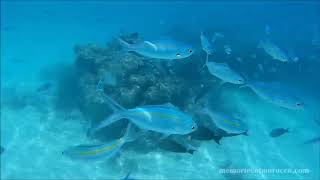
x,y
151,45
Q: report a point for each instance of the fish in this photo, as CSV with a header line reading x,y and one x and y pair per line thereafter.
x,y
227,123
276,93
101,151
315,140
224,72
164,118
173,146
164,49
205,44
278,132
273,50
227,49
205,134
44,87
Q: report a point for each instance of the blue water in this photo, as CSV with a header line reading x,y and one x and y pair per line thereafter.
x,y
37,47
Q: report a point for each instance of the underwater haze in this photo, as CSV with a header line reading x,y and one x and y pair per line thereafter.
x,y
160,90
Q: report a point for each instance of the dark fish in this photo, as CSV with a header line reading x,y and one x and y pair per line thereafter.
x,y
205,134
313,141
278,132
173,146
2,150
44,87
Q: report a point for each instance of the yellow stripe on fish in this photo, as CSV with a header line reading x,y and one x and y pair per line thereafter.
x,y
231,123
95,152
159,115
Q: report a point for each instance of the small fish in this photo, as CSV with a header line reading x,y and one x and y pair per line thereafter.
x,y
205,134
166,49
44,87
2,150
273,50
227,123
165,118
313,141
206,45
173,146
227,49
225,73
278,132
276,93
97,152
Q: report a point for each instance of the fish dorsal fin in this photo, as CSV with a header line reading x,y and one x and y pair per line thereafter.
x,y
168,104
160,105
148,43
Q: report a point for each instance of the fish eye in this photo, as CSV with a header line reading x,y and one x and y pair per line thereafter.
x,y
240,80
178,54
298,104
190,51
193,127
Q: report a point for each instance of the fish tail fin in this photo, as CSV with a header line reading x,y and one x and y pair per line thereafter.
x,y
217,139
111,119
128,175
191,151
205,64
125,44
245,133
131,133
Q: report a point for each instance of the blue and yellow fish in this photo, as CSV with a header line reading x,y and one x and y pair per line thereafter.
x,y
165,119
106,150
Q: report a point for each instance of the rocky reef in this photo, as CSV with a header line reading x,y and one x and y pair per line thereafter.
x,y
132,80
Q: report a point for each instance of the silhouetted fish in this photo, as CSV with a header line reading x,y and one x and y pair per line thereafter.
x,y
205,134
313,141
278,132
44,87
106,150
